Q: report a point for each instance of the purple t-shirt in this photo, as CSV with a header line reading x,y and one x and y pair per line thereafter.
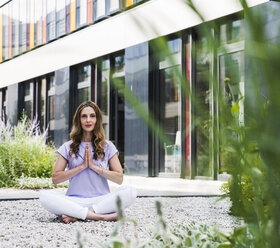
x,y
87,183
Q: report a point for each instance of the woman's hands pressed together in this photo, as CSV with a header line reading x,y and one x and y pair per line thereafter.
x,y
115,174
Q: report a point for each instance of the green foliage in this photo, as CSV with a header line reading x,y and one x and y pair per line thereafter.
x,y
38,183
23,152
192,235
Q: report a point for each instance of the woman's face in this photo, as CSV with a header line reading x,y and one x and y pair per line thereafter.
x,y
88,119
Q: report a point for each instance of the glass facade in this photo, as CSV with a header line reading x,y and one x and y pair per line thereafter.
x,y
38,22
117,124
15,28
51,22
5,32
25,24
231,73
50,107
83,84
170,106
151,75
28,102
81,13
104,90
136,146
3,104
60,17
100,9
12,104
60,113
202,109
42,103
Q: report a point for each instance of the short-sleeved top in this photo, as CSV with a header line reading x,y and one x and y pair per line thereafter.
x,y
87,183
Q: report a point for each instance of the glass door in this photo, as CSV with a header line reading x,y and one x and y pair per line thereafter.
x,y
117,105
111,79
170,108
202,114
231,78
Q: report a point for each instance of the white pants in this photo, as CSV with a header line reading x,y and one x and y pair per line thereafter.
x,y
58,203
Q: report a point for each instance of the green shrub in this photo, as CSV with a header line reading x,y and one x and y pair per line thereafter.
x,y
23,152
38,183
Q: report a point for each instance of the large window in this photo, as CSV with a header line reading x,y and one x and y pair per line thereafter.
x,y
104,89
113,6
3,104
51,34
60,17
38,27
22,25
202,106
170,105
136,147
5,32
50,107
15,32
41,102
81,78
81,13
231,77
83,83
117,104
26,102
67,17
99,8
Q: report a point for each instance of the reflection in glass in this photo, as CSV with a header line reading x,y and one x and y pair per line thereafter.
x,y
5,32
136,79
202,114
83,95
83,84
170,117
104,98
170,107
114,6
232,31
119,64
100,9
38,22
51,33
51,107
117,105
81,13
23,25
28,100
231,77
43,104
3,105
84,74
60,17
15,32
61,103
67,17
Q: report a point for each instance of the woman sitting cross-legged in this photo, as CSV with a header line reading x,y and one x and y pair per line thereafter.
x,y
91,160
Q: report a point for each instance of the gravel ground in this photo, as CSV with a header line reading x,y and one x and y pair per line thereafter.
x,y
25,223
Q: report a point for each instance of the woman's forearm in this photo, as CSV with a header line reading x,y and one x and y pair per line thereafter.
x,y
114,176
61,176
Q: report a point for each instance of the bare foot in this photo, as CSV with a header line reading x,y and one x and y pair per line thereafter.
x,y
67,219
91,215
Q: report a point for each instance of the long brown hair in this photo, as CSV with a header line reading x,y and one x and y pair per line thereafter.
x,y
98,135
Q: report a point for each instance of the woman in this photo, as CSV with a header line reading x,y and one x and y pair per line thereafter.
x,y
91,160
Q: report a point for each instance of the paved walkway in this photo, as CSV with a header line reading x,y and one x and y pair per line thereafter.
x,y
146,186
